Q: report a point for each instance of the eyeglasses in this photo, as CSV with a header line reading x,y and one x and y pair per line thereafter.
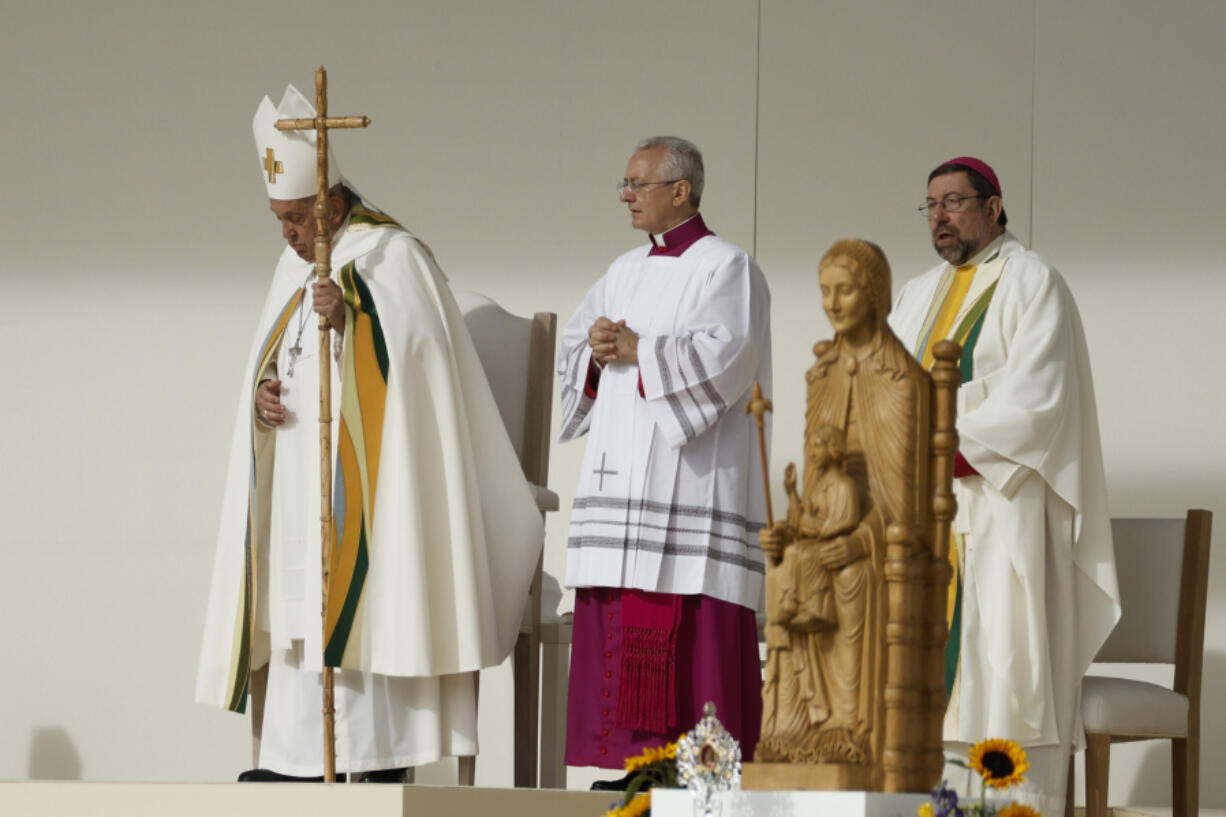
x,y
951,204
637,187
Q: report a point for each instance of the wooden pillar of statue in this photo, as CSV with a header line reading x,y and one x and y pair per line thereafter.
x,y
905,682
857,573
946,378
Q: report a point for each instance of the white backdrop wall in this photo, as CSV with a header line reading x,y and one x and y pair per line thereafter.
x,y
138,246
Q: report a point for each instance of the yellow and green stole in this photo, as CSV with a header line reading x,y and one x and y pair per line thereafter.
x,y
364,373
946,305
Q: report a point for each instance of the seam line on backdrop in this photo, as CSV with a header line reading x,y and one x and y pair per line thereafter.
x,y
1034,67
757,125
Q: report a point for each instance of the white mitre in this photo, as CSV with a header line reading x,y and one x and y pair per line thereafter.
x,y
287,158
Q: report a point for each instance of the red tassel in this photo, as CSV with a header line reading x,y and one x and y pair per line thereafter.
x,y
647,694
647,698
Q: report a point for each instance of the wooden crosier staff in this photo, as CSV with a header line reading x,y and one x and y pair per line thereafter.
x,y
323,270
757,406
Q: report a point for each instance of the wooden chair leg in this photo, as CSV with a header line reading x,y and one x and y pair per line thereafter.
x,y
1070,787
527,668
468,769
1098,767
555,673
1185,776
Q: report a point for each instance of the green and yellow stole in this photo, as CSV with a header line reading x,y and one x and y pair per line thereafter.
x,y
946,305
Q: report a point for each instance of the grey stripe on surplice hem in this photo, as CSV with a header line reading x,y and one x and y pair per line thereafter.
x,y
670,508
687,427
669,549
662,545
737,539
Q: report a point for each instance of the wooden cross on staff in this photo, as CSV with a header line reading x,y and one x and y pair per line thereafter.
x,y
323,270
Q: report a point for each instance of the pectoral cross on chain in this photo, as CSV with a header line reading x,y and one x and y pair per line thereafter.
x,y
601,470
295,352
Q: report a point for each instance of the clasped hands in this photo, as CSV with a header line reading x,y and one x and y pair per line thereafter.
x,y
327,300
613,341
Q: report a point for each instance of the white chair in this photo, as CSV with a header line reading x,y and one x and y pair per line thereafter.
x,y
517,355
1163,568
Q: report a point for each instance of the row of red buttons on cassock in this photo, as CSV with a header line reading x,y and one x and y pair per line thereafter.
x,y
608,674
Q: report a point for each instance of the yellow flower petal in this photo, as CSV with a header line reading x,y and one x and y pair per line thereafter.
x,y
649,755
1018,810
1001,763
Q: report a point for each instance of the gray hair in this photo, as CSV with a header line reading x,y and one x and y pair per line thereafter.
x,y
683,161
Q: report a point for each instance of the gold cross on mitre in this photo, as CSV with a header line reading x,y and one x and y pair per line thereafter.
x,y
272,166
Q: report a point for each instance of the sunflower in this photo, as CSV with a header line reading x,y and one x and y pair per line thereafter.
x,y
650,755
1001,763
1017,810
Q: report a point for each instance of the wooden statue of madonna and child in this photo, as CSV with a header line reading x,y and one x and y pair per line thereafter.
x,y
857,576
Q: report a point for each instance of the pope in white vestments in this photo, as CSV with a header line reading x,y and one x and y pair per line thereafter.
x,y
1036,587
436,532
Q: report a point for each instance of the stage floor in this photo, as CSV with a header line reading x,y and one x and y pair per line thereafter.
x,y
73,799
77,799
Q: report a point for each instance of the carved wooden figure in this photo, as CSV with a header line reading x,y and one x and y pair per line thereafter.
x,y
857,574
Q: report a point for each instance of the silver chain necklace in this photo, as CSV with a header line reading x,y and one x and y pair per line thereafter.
x,y
295,351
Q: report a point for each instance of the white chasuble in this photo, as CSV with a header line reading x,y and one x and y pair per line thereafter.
x,y
1039,588
449,530
381,721
665,502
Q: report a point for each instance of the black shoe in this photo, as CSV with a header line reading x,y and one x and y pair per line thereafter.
x,y
621,784
384,776
269,776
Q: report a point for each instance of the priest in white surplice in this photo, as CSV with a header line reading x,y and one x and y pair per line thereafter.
x,y
1035,593
437,534
656,367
